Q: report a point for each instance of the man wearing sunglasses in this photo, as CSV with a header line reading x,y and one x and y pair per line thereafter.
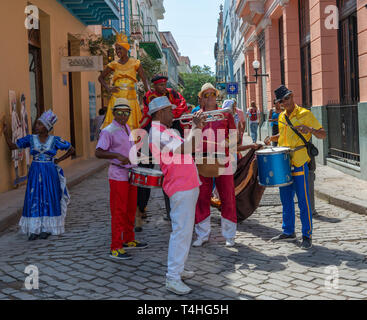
x,y
216,133
114,144
305,123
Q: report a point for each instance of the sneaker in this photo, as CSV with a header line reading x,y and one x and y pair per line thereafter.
x,y
199,242
285,237
306,243
33,237
135,244
120,254
230,243
186,274
177,287
44,235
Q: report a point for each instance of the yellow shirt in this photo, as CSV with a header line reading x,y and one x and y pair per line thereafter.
x,y
288,138
127,70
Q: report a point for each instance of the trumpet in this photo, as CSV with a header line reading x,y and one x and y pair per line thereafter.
x,y
211,116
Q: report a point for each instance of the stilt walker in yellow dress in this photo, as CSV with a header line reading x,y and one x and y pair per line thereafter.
x,y
124,72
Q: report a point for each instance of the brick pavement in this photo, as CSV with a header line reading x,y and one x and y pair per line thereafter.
x,y
77,265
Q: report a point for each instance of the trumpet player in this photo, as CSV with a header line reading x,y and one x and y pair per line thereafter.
x,y
224,183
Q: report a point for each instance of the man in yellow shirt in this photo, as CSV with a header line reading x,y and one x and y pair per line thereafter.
x,y
306,124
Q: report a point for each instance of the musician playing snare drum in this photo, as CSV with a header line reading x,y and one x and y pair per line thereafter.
x,y
303,121
114,144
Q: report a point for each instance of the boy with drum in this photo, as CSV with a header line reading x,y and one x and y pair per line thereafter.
x,y
114,144
302,120
181,184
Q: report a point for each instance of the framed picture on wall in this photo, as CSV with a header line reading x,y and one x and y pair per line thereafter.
x,y
92,109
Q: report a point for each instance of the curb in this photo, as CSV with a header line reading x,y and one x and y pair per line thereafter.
x,y
13,217
342,203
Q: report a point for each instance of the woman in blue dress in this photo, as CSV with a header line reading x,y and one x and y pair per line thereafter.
x,y
46,197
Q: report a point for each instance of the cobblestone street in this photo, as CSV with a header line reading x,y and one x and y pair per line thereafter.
x,y
77,265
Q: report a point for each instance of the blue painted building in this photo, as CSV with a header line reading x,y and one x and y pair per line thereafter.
x,y
93,12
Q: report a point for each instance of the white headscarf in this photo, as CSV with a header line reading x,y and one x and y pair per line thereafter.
x,y
228,104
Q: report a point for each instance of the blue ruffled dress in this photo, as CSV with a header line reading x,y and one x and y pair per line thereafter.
x,y
46,197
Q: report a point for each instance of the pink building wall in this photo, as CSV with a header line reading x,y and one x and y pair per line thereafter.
x,y
362,48
324,55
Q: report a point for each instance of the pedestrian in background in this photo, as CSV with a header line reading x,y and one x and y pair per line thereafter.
x,y
46,197
197,108
273,119
114,144
99,121
253,113
238,115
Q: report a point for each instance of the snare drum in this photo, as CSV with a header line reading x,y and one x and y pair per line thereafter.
x,y
274,164
146,178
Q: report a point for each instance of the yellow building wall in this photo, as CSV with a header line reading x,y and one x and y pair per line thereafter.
x,y
57,25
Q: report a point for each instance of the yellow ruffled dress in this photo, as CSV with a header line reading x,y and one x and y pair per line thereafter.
x,y
124,77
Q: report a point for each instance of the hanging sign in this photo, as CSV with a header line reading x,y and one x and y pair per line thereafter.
x,y
232,88
81,64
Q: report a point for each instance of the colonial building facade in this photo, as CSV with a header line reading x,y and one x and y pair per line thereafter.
x,y
319,50
32,65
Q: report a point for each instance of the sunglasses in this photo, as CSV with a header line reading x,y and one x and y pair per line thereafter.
x,y
123,113
209,94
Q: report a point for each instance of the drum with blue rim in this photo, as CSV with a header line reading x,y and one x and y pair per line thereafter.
x,y
274,165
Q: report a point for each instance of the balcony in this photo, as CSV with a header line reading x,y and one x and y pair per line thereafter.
x,y
247,7
159,9
93,12
151,42
110,28
137,28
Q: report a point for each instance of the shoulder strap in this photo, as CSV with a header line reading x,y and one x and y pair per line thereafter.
x,y
295,130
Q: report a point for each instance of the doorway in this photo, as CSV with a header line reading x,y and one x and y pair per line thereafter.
x,y
35,75
71,105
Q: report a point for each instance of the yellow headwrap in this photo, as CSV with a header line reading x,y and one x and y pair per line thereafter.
x,y
121,39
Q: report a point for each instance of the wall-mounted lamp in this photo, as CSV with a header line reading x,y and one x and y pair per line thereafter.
x,y
256,66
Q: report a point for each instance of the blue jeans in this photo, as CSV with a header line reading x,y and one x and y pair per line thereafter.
x,y
301,188
253,131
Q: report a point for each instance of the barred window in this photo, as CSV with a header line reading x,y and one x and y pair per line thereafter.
x,y
305,46
348,52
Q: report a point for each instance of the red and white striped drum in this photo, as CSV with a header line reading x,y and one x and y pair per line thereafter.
x,y
146,178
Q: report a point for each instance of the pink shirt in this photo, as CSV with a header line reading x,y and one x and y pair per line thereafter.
x,y
114,138
179,170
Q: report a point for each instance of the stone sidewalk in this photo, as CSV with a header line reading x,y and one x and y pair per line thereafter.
x,y
341,189
77,266
11,202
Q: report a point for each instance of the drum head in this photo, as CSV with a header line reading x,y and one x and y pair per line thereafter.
x,y
147,171
273,150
